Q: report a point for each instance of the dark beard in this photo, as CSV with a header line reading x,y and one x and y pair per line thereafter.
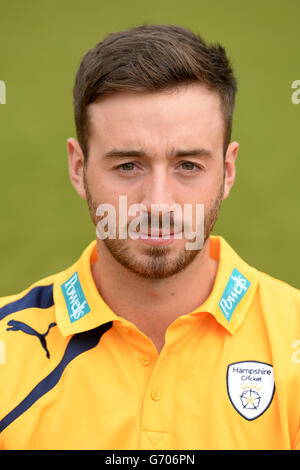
x,y
156,263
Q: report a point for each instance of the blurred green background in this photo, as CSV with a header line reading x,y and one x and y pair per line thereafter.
x,y
45,225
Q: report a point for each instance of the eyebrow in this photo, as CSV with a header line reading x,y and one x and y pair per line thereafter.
x,y
197,152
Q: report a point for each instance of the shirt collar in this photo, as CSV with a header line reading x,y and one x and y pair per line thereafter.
x,y
79,306
234,287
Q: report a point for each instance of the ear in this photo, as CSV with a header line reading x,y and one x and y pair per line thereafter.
x,y
231,154
76,164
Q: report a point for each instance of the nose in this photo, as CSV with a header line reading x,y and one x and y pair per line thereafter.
x,y
159,192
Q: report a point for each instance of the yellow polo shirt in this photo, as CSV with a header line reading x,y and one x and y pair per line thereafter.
x,y
75,375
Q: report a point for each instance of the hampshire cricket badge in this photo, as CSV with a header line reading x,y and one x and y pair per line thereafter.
x,y
250,387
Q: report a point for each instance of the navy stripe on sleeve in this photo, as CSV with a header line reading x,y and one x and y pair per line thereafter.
x,y
37,297
78,344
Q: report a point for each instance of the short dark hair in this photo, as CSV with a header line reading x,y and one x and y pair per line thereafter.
x,y
151,58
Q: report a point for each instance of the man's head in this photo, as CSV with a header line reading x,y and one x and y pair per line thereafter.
x,y
151,58
153,111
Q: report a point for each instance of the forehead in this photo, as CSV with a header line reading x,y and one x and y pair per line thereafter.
x,y
188,115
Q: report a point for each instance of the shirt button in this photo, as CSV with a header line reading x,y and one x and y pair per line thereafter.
x,y
145,360
155,395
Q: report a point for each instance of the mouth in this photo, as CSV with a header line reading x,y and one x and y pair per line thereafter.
x,y
158,237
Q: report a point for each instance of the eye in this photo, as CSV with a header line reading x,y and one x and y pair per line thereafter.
x,y
190,166
126,167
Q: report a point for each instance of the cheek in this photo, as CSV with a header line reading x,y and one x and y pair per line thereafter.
x,y
203,192
210,194
99,187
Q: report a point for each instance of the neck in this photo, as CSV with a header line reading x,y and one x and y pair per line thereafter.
x,y
142,300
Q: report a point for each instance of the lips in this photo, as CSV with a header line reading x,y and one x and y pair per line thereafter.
x,y
157,235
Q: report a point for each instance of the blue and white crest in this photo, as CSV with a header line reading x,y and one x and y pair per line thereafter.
x,y
250,387
75,299
234,291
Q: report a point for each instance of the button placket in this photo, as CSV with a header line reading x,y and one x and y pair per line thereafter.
x,y
155,394
145,360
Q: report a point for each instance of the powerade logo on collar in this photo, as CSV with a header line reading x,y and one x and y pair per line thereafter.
x,y
75,299
235,290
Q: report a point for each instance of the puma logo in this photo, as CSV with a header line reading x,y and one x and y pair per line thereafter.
x,y
20,326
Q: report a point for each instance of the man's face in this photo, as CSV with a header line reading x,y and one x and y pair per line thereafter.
x,y
156,148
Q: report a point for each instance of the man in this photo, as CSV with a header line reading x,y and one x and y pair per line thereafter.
x,y
146,342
